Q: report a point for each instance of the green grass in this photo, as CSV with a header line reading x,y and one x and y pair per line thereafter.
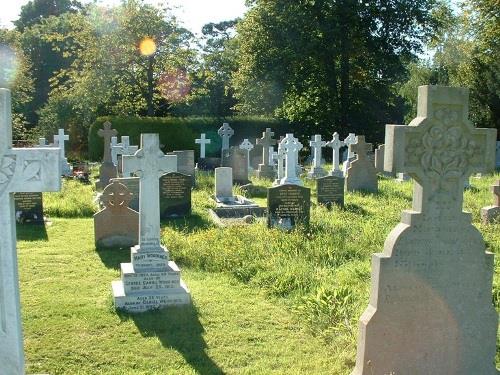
x,y
265,301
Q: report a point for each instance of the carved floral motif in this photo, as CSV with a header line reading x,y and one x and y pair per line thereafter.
x,y
7,169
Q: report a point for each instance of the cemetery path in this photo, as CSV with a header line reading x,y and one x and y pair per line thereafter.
x,y
71,327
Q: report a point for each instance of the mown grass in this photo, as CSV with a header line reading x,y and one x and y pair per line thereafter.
x,y
265,301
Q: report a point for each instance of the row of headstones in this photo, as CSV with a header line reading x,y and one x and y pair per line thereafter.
x,y
430,309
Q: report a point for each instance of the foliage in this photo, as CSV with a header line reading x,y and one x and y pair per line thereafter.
x,y
35,11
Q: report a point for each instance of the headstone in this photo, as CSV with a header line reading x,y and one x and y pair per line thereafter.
x,y
280,164
120,149
59,140
114,154
336,144
256,155
185,163
265,169
247,146
202,141
498,155
108,169
491,214
132,184
316,146
361,174
330,190
350,140
379,158
29,208
288,205
238,161
290,147
151,280
402,177
175,195
42,142
21,170
116,225
224,183
225,133
430,308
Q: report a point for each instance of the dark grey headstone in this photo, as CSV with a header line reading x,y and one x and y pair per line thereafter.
x,y
209,164
132,184
237,159
29,208
330,190
175,195
256,155
185,162
288,205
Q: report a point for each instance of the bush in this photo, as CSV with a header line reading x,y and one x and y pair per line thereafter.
x,y
180,133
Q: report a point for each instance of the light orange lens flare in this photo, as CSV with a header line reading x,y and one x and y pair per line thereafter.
x,y
147,47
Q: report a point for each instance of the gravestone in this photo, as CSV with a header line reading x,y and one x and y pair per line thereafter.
x,y
336,144
224,184
290,147
330,190
316,146
151,280
288,205
238,161
491,213
120,149
247,146
225,132
29,208
175,195
430,309
348,141
379,158
108,169
402,177
361,174
498,155
114,145
185,163
22,170
256,155
265,169
203,142
116,225
59,140
132,184
280,164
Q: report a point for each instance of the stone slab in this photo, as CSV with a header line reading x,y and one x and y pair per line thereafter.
x,y
134,282
288,205
29,208
175,195
330,190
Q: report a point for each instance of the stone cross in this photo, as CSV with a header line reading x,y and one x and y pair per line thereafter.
x,y
114,150
291,147
225,132
122,148
107,133
317,144
350,140
21,170
280,156
149,164
266,141
202,142
432,284
248,146
361,148
336,144
59,142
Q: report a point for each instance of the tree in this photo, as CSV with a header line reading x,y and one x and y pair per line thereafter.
x,y
36,11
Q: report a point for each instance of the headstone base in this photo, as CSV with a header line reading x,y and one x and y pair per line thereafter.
x,y
266,172
315,173
490,214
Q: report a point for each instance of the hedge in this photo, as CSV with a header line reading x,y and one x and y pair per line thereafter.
x,y
180,133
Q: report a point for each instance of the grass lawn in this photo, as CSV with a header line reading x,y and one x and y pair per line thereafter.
x,y
265,301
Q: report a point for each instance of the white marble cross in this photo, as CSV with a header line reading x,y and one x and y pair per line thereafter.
x,y
114,145
350,140
149,164
122,148
280,158
21,170
226,132
317,144
202,141
291,147
248,146
336,144
59,142
266,141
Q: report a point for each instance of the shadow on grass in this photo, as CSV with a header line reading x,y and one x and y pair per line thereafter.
x,y
395,194
178,328
31,232
112,257
354,208
189,224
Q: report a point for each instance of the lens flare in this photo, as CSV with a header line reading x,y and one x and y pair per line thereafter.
x,y
147,46
9,66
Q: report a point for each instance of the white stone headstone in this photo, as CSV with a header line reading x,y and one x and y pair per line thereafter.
x,y
350,140
59,140
247,146
202,141
267,141
224,183
121,149
225,132
336,144
21,170
290,147
498,155
316,147
430,309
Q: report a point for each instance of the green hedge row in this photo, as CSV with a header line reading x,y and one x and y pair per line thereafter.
x,y
180,133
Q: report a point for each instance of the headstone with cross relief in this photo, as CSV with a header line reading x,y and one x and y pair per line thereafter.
x,y
59,140
151,280
430,309
266,170
336,144
361,174
225,132
108,169
290,147
116,225
21,170
349,140
491,214
316,146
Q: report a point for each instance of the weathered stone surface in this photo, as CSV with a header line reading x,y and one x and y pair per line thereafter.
x,y
288,205
290,147
348,141
225,133
248,147
266,170
116,225
330,190
185,163
224,183
107,170
175,195
132,184
491,214
316,146
430,309
22,170
256,155
336,144
238,161
498,155
379,159
361,174
120,149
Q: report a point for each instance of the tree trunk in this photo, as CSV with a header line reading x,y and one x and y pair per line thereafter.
x,y
150,92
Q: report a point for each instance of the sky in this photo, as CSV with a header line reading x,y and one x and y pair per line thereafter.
x,y
192,13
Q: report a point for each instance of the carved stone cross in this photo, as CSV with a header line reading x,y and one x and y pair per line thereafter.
x,y
21,170
226,132
291,147
59,142
266,141
361,148
336,144
122,148
202,141
107,133
350,140
247,146
317,144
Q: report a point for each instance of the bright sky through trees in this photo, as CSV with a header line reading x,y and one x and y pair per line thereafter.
x,y
192,13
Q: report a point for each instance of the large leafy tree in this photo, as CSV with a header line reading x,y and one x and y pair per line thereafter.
x,y
329,63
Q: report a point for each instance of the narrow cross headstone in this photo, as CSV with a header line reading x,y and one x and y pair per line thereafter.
x,y
120,149
349,140
316,146
59,140
265,169
248,146
336,144
291,147
21,170
202,141
108,169
431,309
114,150
225,132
